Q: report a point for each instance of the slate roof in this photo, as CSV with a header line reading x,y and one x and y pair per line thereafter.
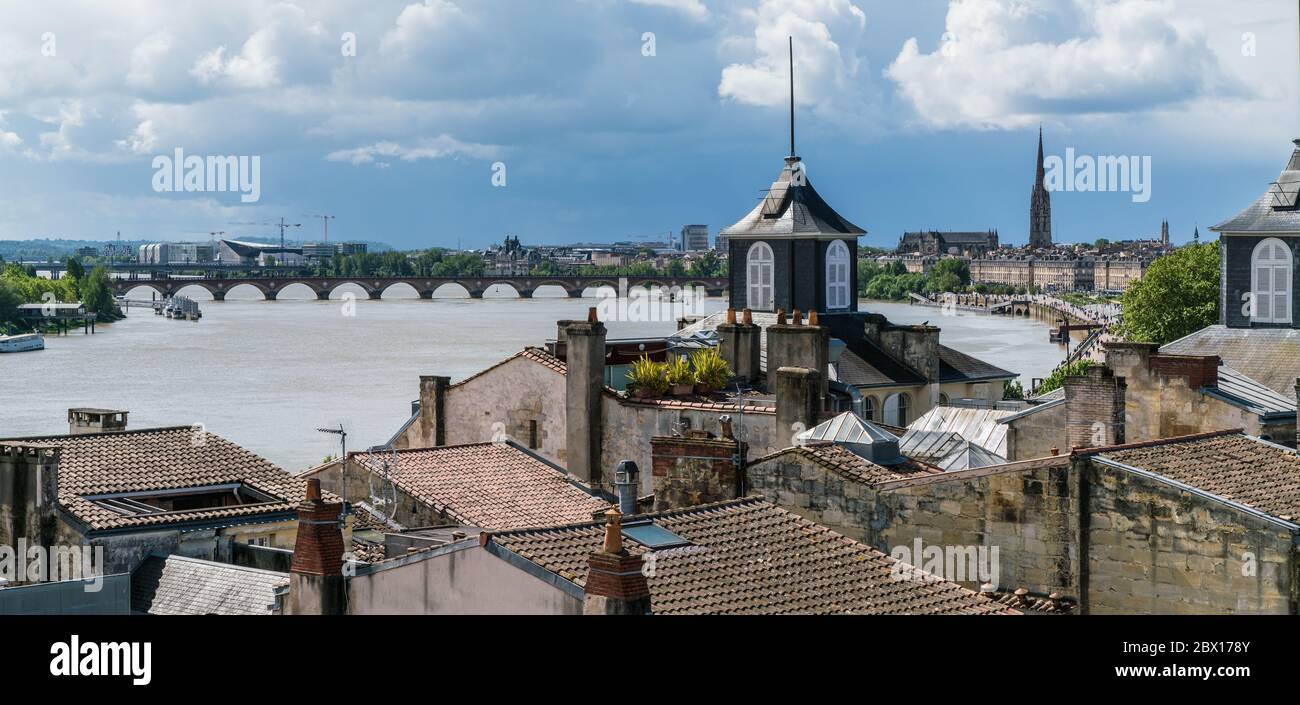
x,y
956,366
1268,355
178,585
791,210
1240,390
857,435
161,459
749,556
1275,211
1255,473
494,485
847,464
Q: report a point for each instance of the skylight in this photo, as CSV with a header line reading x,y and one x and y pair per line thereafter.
x,y
652,536
150,502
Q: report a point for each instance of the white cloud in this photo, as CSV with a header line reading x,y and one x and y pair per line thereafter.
x,y
830,72
1012,63
440,147
691,8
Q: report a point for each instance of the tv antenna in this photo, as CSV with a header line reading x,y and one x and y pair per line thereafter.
x,y
383,462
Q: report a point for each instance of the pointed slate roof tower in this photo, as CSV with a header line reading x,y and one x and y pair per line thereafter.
x,y
793,251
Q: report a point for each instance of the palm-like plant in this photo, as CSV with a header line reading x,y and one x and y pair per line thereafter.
x,y
711,371
648,376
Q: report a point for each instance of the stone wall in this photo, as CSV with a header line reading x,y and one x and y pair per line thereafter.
x,y
1147,546
1035,435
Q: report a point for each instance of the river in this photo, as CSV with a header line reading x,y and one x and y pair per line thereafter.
x,y
267,374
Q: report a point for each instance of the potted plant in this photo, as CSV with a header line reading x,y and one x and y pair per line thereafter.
x,y
648,378
711,371
681,376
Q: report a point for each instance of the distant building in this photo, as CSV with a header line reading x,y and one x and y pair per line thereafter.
x,y
934,242
695,238
720,243
1040,205
176,253
251,254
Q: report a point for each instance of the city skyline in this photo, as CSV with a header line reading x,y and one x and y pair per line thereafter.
x,y
574,124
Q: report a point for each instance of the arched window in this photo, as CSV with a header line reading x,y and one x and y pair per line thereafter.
x,y
837,275
869,408
896,409
758,277
1270,282
944,399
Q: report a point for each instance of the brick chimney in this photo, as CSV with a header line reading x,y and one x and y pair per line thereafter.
x,y
584,343
798,345
697,469
316,572
88,421
1094,408
433,420
616,583
739,344
1199,370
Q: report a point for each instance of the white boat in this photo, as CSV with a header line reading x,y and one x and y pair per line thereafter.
x,y
22,343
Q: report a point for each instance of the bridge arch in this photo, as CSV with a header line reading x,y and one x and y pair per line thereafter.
x,y
192,290
132,289
297,291
521,292
545,290
399,290
446,286
221,291
336,290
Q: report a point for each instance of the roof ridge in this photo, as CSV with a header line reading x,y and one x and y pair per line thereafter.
x,y
1157,442
125,432
738,501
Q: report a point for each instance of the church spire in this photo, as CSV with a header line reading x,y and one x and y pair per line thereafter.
x,y
1039,174
1040,204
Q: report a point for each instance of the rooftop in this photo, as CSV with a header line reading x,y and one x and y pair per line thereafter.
x,y
1269,355
848,464
179,585
749,556
1231,465
174,458
494,485
792,208
1275,211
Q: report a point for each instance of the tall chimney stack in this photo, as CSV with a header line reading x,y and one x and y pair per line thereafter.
x,y
584,382
616,583
740,345
797,402
316,571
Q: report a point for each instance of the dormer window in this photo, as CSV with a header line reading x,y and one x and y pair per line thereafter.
x,y
1271,282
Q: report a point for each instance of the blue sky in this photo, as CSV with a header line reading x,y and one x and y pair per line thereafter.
x,y
910,115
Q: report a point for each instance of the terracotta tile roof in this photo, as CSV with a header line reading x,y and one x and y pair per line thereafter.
x,y
489,485
178,585
161,459
1233,466
848,464
749,556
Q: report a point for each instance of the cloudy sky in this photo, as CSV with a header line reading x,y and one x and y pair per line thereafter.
x,y
392,115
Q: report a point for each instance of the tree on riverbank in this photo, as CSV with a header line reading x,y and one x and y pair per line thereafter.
x,y
1178,295
894,282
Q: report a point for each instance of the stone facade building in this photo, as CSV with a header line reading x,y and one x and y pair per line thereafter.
x,y
934,242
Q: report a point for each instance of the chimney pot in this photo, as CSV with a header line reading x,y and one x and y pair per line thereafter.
x,y
613,532
731,316
313,490
812,318
780,316
591,315
796,318
1056,451
747,317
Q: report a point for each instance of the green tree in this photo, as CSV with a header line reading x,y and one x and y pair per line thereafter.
x,y
75,269
1178,295
1057,378
97,295
9,302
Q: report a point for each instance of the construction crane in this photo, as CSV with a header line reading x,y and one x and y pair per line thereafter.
x,y
281,225
324,219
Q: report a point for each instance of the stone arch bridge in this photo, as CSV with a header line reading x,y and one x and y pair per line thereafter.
x,y
424,286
